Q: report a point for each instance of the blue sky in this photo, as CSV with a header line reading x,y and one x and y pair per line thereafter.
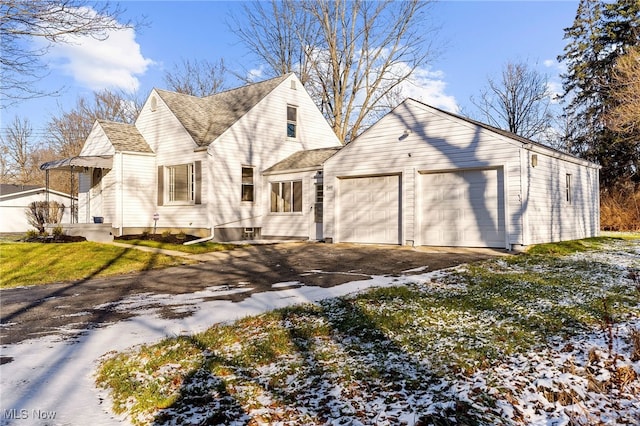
x,y
476,39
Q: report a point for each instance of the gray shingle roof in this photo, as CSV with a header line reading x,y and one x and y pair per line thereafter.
x,y
207,118
6,188
311,158
124,137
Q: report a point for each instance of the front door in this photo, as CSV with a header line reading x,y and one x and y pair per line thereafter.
x,y
318,209
95,200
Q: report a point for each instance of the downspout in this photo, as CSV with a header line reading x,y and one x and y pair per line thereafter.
x,y
121,230
201,240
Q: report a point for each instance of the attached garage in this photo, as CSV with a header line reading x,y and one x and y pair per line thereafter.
x,y
370,209
462,208
426,177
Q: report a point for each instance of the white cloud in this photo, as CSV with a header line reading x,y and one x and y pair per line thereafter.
x,y
550,63
429,87
255,74
115,62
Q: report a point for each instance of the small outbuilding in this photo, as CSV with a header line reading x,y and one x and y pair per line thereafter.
x,y
423,176
15,200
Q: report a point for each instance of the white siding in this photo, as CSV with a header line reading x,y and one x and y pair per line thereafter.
x,y
138,203
549,216
97,143
259,140
13,209
295,224
435,142
172,145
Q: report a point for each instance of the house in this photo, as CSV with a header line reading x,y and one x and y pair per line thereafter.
x,y
260,161
15,200
198,165
423,176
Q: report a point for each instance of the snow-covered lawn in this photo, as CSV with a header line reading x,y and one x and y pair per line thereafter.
x,y
523,340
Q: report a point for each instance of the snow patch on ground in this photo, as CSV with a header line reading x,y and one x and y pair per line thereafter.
x,y
55,374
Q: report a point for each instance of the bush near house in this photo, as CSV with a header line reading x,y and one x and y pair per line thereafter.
x,y
40,213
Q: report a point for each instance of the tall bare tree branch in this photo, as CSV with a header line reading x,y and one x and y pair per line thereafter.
x,y
28,28
349,54
197,78
518,102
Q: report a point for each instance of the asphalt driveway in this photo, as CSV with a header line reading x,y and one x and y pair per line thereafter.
x,y
37,311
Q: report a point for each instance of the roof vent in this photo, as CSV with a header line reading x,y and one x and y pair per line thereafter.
x,y
154,103
293,84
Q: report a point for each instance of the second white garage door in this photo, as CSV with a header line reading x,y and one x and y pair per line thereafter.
x,y
463,208
370,210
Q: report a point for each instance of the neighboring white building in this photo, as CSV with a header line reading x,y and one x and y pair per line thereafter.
x,y
422,176
260,161
15,200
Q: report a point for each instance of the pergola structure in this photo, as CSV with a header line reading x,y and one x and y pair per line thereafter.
x,y
73,165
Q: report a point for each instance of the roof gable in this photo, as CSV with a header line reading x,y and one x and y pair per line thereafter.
x,y
124,137
205,119
509,136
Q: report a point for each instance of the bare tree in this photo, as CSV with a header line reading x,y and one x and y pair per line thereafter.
x,y
49,21
17,148
349,54
625,116
70,129
280,33
197,78
518,102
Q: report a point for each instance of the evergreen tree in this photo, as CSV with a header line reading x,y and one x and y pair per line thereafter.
x,y
601,33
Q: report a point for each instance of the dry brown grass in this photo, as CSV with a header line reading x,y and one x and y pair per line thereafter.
x,y
620,210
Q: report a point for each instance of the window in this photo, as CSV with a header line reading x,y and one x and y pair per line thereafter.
x,y
247,184
286,197
568,188
181,183
292,121
319,193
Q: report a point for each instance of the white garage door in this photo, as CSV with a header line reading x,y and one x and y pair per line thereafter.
x,y
463,208
370,210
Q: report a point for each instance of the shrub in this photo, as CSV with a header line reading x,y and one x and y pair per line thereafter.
x,y
31,234
39,213
166,235
57,232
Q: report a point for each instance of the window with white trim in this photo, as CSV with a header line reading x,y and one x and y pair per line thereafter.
x,y
292,121
180,184
286,197
568,196
247,184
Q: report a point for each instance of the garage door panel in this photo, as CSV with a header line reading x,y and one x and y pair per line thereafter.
x,y
369,210
463,208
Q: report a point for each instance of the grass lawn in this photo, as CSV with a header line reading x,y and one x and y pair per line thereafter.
x,y
39,263
206,247
549,336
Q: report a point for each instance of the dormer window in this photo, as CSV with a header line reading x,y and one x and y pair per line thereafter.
x,y
292,121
